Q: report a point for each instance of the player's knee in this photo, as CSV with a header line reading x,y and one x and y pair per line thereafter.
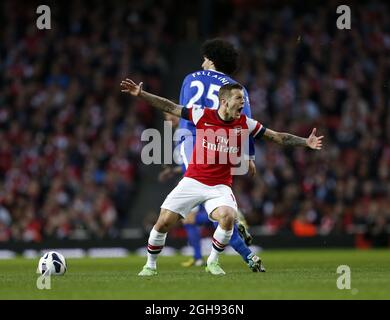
x,y
165,221
162,225
227,217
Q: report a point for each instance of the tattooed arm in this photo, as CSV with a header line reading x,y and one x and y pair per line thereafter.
x,y
129,86
287,139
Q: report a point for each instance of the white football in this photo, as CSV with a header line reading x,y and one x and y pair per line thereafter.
x,y
52,263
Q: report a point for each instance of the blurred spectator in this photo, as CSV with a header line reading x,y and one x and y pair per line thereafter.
x,y
302,73
69,143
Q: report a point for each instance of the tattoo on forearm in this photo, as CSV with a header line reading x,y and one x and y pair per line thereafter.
x,y
161,103
291,140
271,138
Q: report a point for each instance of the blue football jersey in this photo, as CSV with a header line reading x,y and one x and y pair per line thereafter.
x,y
201,88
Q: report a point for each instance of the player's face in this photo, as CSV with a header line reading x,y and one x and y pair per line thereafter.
x,y
207,64
235,103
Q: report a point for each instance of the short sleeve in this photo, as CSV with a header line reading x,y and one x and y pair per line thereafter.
x,y
256,129
195,113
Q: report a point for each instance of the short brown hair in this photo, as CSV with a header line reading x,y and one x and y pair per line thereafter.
x,y
226,90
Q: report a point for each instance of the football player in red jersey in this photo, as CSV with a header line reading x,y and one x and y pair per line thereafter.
x,y
208,178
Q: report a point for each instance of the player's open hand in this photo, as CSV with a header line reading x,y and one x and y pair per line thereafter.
x,y
313,141
130,87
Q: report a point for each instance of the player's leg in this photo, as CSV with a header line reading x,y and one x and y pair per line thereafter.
x,y
193,232
244,233
238,244
202,218
222,208
185,196
242,226
193,235
254,262
156,241
225,216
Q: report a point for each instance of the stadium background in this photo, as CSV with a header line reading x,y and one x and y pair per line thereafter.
x,y
70,168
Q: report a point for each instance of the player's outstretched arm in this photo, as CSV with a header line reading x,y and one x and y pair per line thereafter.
x,y
287,139
130,87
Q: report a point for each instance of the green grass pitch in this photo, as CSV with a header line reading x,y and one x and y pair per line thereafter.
x,y
292,274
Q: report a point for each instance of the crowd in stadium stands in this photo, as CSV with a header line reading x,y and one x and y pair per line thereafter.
x,y
303,72
70,145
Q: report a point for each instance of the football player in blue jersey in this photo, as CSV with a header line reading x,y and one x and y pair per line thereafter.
x,y
200,88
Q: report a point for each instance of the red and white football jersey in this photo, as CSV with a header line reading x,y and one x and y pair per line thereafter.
x,y
218,146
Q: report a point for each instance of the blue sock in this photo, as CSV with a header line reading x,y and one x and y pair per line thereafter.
x,y
193,235
238,243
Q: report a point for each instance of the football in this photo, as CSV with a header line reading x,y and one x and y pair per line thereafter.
x,y
52,263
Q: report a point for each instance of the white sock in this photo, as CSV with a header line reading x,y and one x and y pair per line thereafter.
x,y
221,239
156,243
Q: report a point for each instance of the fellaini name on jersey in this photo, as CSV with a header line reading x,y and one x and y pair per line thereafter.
x,y
221,78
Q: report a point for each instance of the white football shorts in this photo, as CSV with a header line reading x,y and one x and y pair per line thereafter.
x,y
190,193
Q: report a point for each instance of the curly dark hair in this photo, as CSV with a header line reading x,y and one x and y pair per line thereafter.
x,y
222,53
